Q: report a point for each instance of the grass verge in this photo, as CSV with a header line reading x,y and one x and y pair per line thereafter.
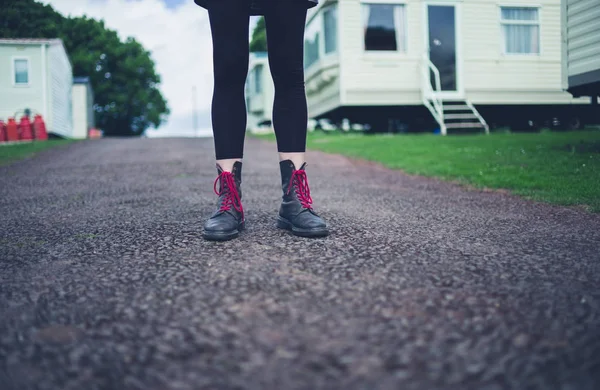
x,y
554,167
13,152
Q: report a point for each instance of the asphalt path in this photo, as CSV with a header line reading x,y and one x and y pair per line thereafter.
x,y
106,282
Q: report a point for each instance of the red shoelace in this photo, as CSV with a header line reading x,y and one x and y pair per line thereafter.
x,y
299,181
232,196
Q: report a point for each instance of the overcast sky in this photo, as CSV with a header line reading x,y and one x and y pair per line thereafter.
x,y
177,33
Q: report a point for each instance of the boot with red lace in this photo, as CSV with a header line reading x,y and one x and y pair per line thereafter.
x,y
228,220
296,213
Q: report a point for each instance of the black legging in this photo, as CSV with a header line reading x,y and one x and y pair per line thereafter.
x,y
229,20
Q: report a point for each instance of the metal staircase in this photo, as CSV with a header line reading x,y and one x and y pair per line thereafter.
x,y
449,114
461,115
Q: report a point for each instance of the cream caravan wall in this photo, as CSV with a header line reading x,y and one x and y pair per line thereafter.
x,y
379,78
581,42
327,98
60,82
494,77
83,119
488,75
16,98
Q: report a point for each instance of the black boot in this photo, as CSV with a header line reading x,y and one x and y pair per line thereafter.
x,y
296,213
227,222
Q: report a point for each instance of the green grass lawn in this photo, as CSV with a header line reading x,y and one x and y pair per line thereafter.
x,y
12,152
560,168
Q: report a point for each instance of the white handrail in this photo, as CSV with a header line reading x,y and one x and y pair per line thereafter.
x,y
479,117
431,98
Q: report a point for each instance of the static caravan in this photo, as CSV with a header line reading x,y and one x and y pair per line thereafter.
x,y
36,74
83,107
260,92
414,65
581,47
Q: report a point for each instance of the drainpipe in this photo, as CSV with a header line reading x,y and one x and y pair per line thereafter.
x,y
44,84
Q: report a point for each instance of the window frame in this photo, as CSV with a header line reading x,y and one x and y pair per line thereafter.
x,y
384,53
504,23
14,60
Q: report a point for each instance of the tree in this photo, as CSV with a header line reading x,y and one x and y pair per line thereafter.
x,y
29,19
259,36
122,74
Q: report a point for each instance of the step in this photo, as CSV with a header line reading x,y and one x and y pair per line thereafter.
x,y
460,116
463,125
454,102
456,107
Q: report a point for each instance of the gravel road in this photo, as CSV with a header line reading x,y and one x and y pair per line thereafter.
x,y
106,283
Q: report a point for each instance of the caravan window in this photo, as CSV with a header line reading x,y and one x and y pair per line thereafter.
x,y
521,30
312,42
330,29
21,71
384,27
320,36
258,72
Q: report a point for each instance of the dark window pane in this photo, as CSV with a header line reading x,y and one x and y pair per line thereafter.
x,y
442,44
380,31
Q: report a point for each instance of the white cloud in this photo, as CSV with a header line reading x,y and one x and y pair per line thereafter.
x,y
181,47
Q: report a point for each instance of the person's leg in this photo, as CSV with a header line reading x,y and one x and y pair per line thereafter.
x,y
285,22
229,20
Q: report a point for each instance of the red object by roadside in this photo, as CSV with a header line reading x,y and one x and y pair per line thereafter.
x,y
12,130
26,130
94,133
39,128
2,131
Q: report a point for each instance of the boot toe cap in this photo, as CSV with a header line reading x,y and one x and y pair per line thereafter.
x,y
221,223
308,220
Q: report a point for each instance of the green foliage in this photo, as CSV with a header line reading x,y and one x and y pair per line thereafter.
x,y
561,168
259,36
122,73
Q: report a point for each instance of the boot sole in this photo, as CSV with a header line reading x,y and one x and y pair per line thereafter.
x,y
223,236
283,223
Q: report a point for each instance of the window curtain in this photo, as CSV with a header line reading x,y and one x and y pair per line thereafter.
x,y
400,26
524,37
520,14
